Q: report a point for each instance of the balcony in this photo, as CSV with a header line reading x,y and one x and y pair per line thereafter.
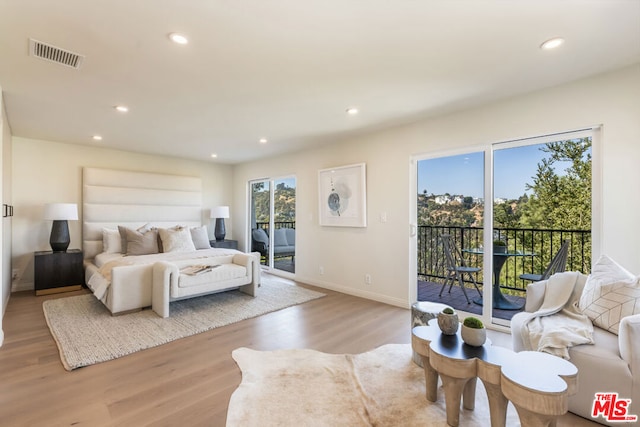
x,y
284,263
543,243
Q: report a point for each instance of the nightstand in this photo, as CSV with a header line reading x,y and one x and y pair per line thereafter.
x,y
58,271
226,244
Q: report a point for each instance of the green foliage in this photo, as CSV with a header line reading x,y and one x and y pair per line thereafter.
x,y
499,243
473,322
465,214
284,202
448,310
561,201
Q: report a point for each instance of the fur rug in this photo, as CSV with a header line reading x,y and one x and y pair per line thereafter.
x,y
382,387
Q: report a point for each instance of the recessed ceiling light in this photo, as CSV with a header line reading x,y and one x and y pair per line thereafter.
x,y
552,43
352,111
214,155
121,108
97,138
178,38
262,140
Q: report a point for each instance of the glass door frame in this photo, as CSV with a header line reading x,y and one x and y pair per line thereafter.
x,y
487,261
487,264
272,186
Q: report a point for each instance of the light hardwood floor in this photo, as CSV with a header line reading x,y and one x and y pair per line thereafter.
x,y
184,383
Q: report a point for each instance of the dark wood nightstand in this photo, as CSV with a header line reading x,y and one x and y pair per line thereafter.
x,y
58,271
226,244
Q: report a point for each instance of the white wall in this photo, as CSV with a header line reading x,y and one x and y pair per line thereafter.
x,y
45,171
382,249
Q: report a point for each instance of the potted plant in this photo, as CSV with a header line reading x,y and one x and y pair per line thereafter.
x,y
499,247
473,332
448,321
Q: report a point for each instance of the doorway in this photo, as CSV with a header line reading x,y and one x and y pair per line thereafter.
x,y
273,222
509,209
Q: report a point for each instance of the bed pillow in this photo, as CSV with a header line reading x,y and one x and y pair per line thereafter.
x,y
123,235
200,237
176,239
140,242
111,241
610,294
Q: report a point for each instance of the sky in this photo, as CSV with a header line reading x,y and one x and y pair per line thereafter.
x,y
463,174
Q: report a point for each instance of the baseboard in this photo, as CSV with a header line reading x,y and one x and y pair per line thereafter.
x,y
22,286
355,292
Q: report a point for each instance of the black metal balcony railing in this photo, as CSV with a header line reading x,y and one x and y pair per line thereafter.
x,y
544,243
276,225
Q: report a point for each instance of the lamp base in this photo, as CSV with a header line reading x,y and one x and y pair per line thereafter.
x,y
220,231
59,239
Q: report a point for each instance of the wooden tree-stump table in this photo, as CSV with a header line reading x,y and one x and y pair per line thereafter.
x,y
538,384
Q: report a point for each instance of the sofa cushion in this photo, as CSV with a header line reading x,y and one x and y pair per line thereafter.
x,y
610,294
259,235
280,237
220,273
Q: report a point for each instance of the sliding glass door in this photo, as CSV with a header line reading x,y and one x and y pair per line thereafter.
x,y
541,208
273,222
515,212
450,204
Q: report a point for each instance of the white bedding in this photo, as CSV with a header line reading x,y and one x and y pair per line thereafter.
x,y
103,258
101,279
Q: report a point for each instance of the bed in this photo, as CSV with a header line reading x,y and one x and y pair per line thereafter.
x,y
123,211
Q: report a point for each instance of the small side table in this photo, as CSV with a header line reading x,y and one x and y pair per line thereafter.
x,y
226,244
58,271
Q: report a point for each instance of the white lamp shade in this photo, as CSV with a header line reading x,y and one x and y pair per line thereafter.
x,y
220,212
60,211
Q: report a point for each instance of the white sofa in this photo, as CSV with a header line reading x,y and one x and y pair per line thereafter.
x,y
612,364
241,271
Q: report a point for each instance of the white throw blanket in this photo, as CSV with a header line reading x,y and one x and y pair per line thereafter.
x,y
558,324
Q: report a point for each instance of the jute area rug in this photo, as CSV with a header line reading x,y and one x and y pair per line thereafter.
x,y
382,387
86,333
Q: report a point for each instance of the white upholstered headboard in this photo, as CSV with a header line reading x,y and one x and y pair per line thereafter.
x,y
115,197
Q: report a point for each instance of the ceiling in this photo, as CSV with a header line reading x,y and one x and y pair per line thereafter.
x,y
287,70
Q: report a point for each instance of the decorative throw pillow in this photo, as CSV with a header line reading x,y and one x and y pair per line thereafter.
x,y
123,235
177,239
610,294
140,242
111,242
200,237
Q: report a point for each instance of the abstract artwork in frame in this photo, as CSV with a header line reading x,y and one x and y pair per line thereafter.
x,y
343,196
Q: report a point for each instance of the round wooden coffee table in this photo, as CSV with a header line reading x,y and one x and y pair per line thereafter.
x,y
538,384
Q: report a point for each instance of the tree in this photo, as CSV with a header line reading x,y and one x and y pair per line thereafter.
x,y
561,200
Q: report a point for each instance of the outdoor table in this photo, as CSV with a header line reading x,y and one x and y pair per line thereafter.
x,y
499,300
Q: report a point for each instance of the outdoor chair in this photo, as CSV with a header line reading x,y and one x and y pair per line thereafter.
x,y
456,267
557,265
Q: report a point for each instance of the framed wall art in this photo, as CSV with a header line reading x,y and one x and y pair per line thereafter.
x,y
343,196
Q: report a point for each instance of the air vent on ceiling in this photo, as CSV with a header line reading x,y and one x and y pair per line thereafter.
x,y
54,54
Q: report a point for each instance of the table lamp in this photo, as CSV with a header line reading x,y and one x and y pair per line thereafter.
x,y
60,213
220,213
